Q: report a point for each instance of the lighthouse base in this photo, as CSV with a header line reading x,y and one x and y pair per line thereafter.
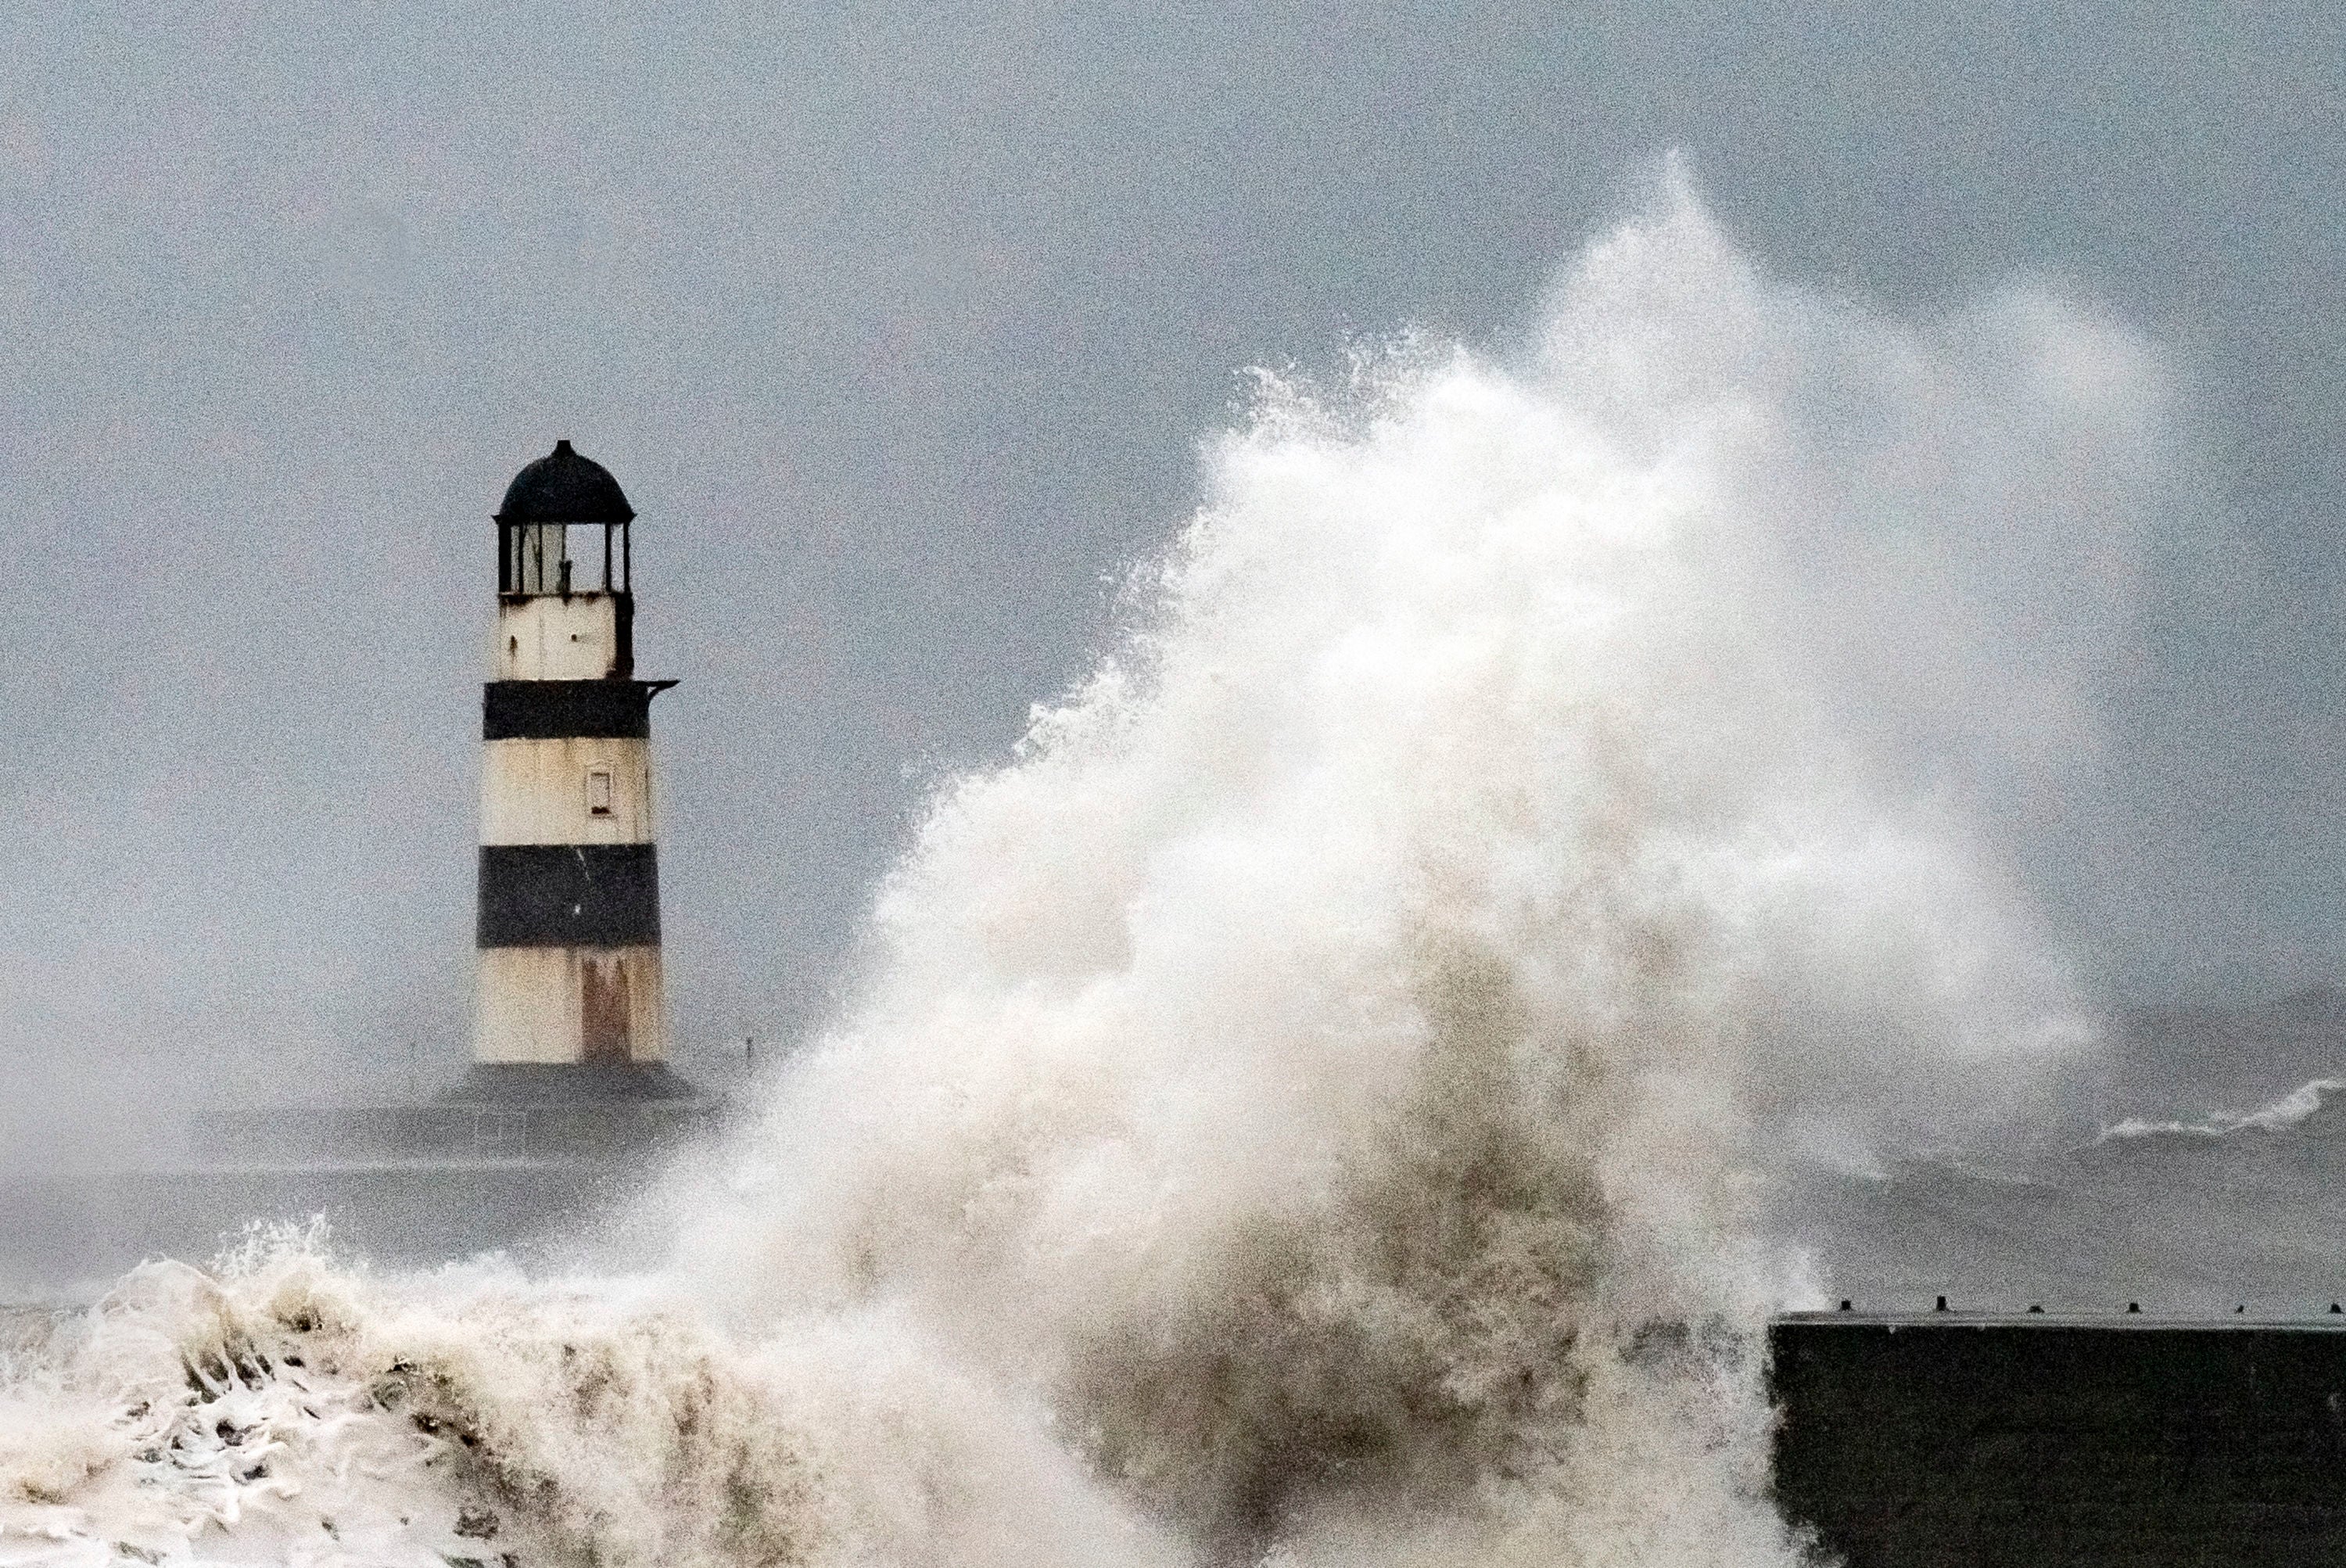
x,y
612,1115
571,1008
568,1083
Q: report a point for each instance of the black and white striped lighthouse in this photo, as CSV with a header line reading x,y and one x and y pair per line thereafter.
x,y
569,881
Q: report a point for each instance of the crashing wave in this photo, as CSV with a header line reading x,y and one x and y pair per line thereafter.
x,y
1309,1106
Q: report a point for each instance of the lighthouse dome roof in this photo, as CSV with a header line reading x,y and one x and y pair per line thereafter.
x,y
564,487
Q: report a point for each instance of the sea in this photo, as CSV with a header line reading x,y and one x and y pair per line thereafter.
x,y
1531,890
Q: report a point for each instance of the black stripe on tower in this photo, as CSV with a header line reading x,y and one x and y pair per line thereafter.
x,y
569,895
568,710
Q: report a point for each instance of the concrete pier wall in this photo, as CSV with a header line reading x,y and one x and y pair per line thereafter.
x,y
1938,1442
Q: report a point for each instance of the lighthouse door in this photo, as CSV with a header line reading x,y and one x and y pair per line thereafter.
x,y
603,1009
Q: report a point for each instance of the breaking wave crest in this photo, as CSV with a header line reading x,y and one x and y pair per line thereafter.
x,y
2291,1110
1315,1104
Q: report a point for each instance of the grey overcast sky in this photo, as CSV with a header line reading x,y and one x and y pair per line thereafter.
x,y
901,324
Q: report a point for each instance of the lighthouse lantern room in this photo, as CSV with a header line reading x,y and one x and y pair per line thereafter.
x,y
570,876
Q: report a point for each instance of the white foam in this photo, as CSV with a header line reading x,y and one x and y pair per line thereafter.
x,y
2279,1116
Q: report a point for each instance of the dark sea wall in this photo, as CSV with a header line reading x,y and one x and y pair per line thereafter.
x,y
2040,1442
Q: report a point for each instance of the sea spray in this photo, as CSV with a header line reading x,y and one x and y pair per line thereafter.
x,y
289,1408
1355,1032
1317,1102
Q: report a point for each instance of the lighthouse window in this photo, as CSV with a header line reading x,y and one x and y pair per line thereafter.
x,y
565,558
540,562
599,793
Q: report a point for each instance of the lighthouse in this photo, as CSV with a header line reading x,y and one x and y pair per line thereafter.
x,y
569,923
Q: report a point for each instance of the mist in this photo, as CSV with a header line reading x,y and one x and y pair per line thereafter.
x,y
901,329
